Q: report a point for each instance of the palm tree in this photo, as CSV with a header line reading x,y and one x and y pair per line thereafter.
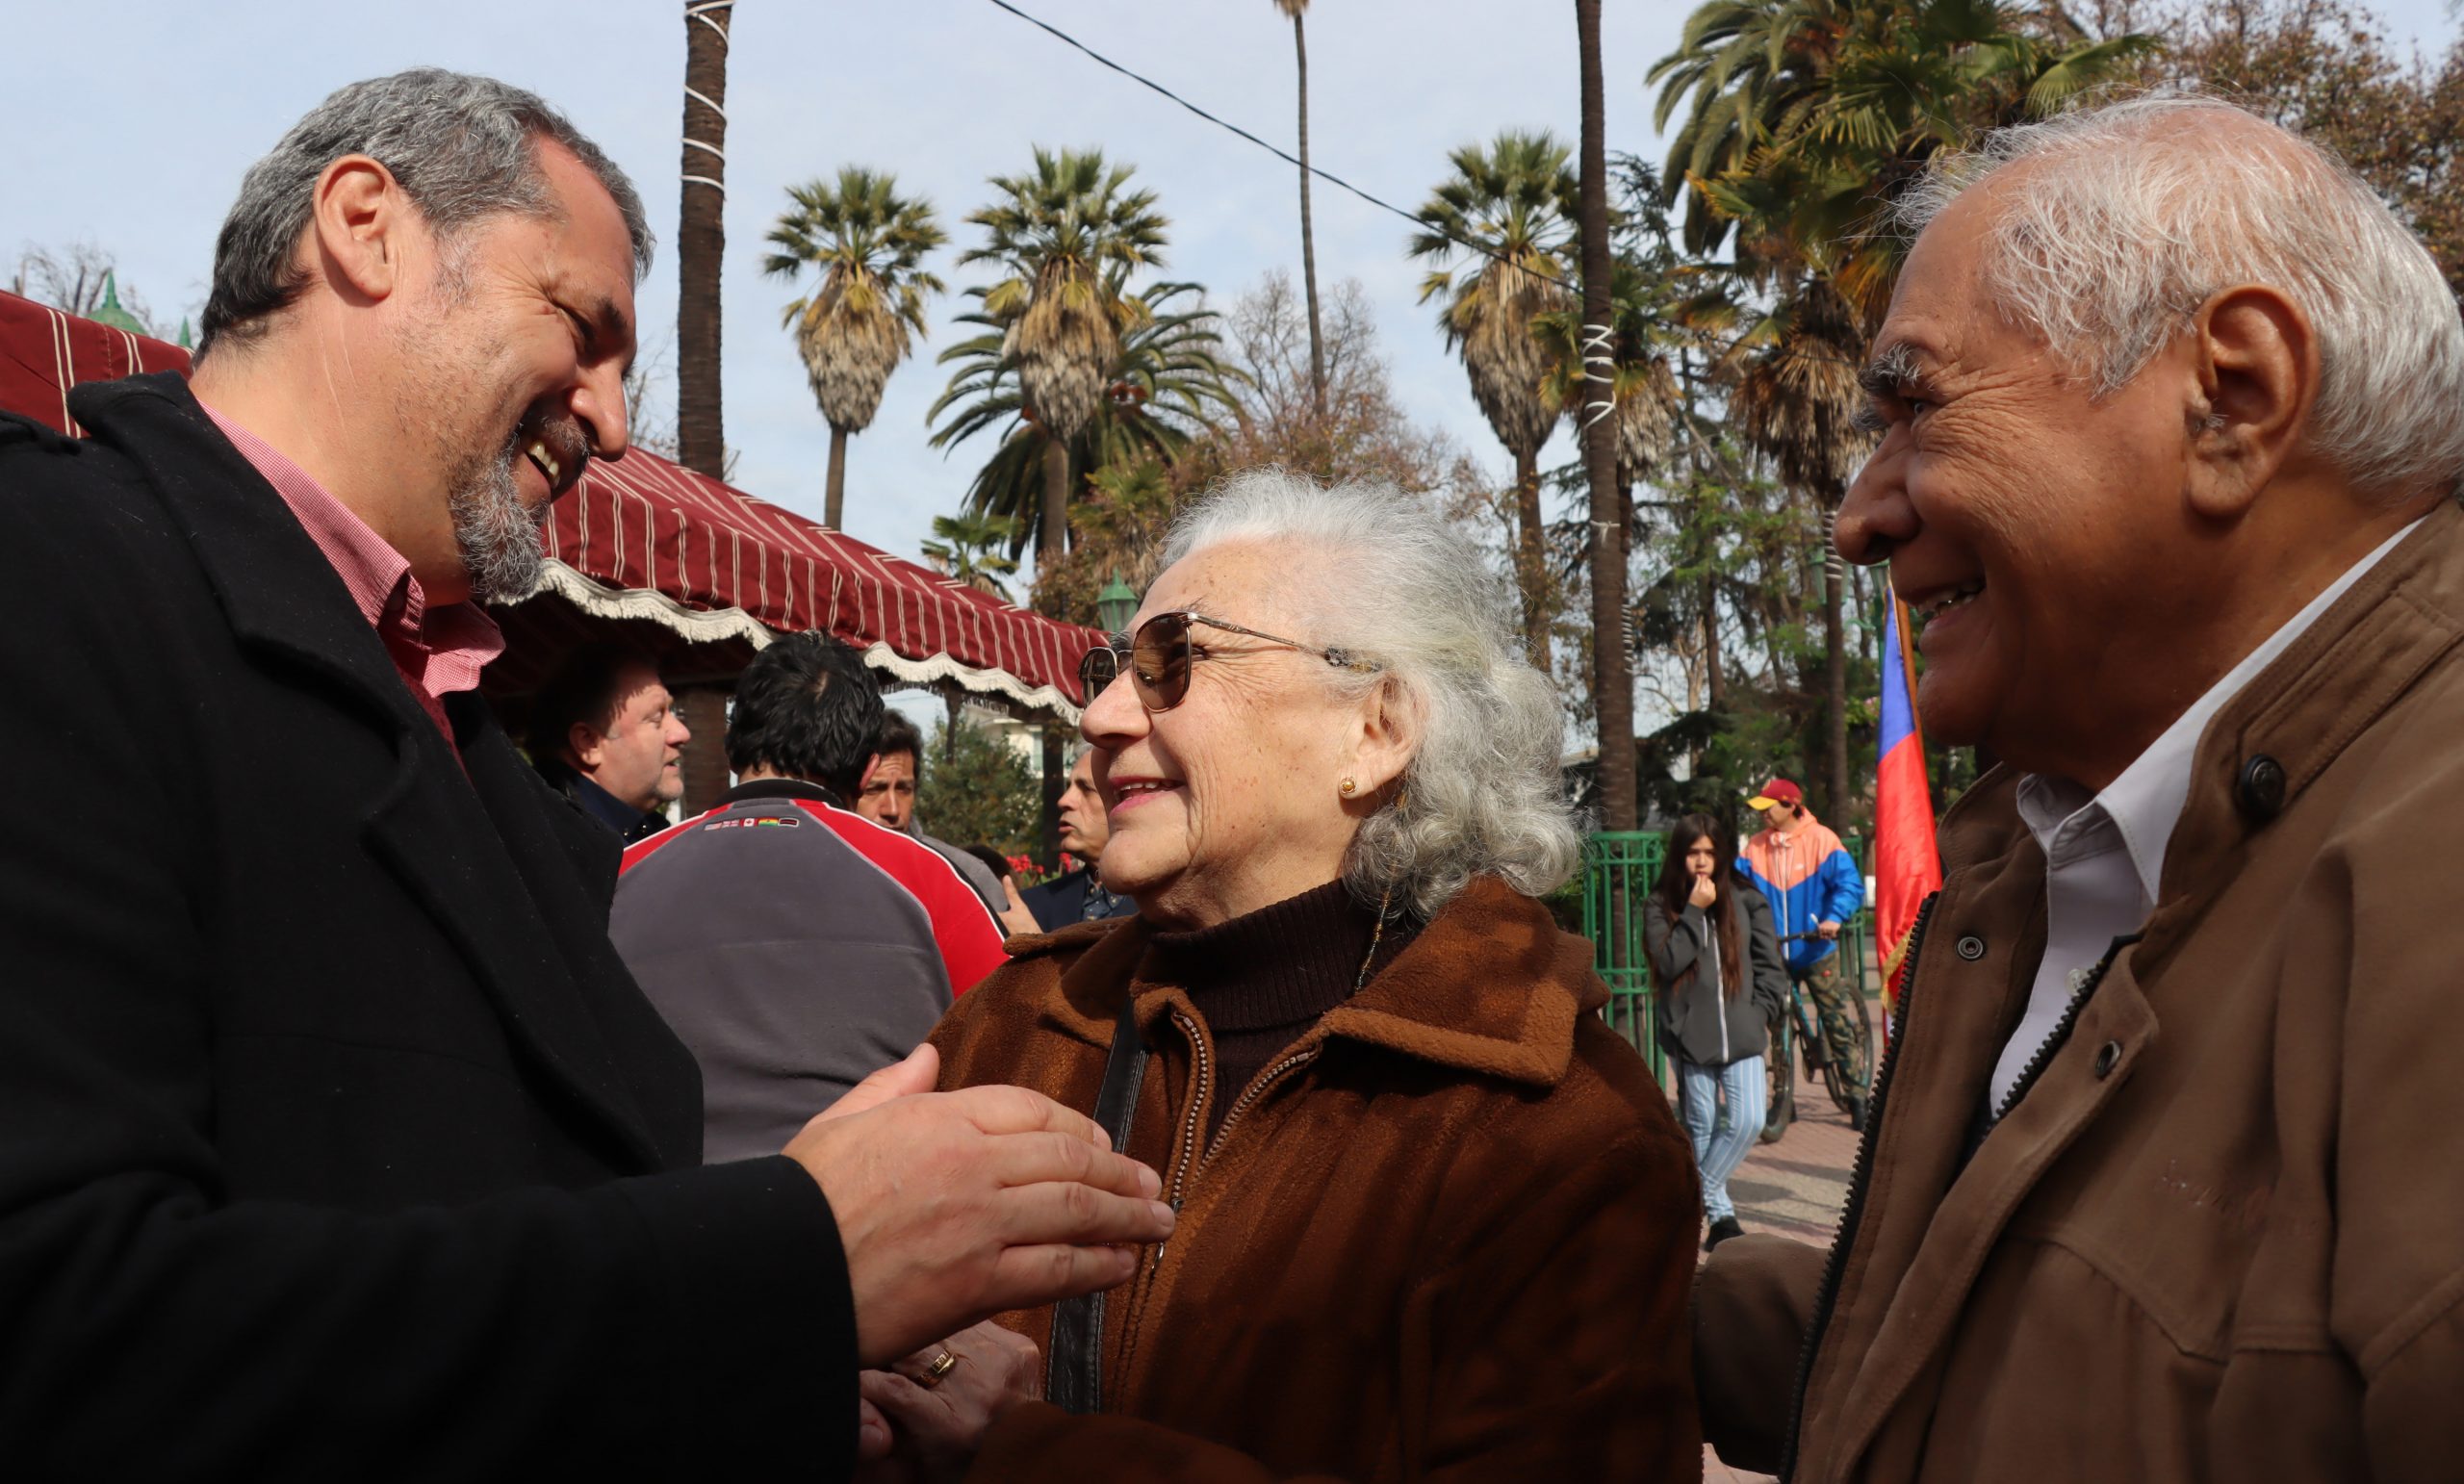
x,y
700,238
1295,8
1510,208
969,547
1808,115
1806,118
1168,383
1065,235
1612,673
1795,399
868,244
1642,388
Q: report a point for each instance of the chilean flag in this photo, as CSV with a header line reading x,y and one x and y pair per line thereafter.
x,y
1907,869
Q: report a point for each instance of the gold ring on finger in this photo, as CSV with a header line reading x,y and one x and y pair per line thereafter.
x,y
939,1371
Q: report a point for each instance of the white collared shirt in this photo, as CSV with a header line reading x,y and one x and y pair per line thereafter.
x,y
2105,856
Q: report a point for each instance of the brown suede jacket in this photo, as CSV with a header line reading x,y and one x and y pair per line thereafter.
x,y
2222,1234
1449,1235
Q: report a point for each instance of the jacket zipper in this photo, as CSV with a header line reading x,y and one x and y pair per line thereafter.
x,y
1256,1090
1184,1147
1201,1074
2028,1075
2060,1033
1862,1170
1719,989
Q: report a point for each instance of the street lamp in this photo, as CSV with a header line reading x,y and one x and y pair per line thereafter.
x,y
1116,604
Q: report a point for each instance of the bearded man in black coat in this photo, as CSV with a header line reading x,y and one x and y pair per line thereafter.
x,y
335,1140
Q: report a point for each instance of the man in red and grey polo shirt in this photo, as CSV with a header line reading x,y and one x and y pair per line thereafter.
x,y
796,946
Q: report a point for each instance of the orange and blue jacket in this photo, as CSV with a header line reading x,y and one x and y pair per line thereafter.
x,y
1811,879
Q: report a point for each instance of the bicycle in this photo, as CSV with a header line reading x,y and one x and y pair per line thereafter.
x,y
1800,1028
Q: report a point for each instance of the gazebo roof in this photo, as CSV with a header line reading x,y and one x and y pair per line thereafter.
x,y
645,539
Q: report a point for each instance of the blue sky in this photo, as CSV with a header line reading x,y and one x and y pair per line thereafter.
x,y
158,108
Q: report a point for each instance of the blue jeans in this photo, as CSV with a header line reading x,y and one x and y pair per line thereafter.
x,y
1722,1137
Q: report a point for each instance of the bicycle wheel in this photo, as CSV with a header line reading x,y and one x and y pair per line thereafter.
x,y
1779,1072
1850,1086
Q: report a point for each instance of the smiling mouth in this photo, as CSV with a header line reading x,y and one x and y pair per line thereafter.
x,y
1137,790
1936,606
547,463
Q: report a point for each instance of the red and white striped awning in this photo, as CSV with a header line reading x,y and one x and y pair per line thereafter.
x,y
645,539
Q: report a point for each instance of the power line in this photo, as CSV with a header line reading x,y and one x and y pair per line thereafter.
x,y
1336,180
1279,153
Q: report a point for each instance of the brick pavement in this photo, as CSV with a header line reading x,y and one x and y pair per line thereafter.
x,y
1795,1189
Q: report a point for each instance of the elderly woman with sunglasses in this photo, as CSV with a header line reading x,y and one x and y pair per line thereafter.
x,y
1435,1220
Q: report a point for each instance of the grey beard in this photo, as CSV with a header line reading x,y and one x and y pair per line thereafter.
x,y
499,539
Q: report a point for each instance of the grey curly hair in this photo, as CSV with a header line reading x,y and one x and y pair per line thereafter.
x,y
1481,795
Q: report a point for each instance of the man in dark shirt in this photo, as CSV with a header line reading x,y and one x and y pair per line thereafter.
x,y
796,946
606,733
1079,895
335,1140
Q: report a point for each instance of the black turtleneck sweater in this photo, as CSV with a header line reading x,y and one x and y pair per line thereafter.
x,y
1261,981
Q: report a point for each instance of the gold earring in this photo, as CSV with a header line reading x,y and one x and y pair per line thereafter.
x,y
1349,787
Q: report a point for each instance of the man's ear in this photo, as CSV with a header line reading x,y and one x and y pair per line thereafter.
x,y
361,225
588,746
2256,359
1386,731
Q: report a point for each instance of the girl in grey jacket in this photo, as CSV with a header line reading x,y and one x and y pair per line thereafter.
x,y
1716,963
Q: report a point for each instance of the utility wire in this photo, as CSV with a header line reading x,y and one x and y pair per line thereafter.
x,y
1288,159
1336,180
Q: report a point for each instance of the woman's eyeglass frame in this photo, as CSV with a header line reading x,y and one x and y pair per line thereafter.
x,y
1169,685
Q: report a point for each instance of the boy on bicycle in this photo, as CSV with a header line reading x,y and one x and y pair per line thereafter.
x,y
1813,886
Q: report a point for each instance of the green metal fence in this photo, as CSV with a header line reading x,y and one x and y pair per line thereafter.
x,y
1618,870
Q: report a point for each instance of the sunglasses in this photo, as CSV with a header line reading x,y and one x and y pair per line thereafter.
x,y
1158,658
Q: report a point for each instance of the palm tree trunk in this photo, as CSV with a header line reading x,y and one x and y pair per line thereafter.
x,y
834,500
1532,559
1612,697
1054,539
1056,778
701,238
1715,679
1308,240
1834,579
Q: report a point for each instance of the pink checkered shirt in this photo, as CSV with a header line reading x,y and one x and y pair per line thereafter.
x,y
437,650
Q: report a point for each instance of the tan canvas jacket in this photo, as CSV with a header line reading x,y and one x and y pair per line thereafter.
x,y
2220,1235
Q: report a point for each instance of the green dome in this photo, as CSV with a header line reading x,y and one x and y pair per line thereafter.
x,y
109,311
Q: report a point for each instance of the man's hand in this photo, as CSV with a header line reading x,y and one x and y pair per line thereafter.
x,y
953,1206
1016,918
938,1428
1827,929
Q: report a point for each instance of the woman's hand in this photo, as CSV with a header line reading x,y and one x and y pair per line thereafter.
x,y
935,1430
1705,892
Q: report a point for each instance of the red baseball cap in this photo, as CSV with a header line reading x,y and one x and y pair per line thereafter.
x,y
1778,791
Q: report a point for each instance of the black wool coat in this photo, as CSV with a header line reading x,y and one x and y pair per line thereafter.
x,y
335,1140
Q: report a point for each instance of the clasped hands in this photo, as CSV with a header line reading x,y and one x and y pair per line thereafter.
x,y
954,1206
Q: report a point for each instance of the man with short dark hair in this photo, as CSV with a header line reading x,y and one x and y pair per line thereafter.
x,y
336,1141
1079,895
606,733
888,797
797,946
